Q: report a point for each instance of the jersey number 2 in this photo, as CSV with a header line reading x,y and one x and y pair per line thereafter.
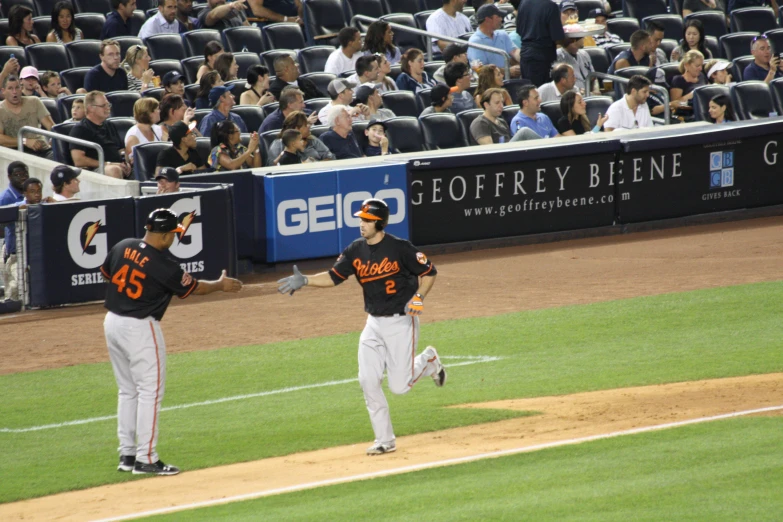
x,y
134,281
390,287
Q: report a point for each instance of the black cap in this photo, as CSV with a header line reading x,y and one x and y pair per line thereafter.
x,y
487,10
179,130
62,174
163,220
363,92
567,5
439,94
169,174
171,77
453,50
598,11
375,121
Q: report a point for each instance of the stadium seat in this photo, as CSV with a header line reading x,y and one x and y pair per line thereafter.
x,y
401,103
7,50
585,6
190,92
144,5
41,26
403,39
64,105
122,125
701,100
149,13
195,41
253,115
84,53
199,115
671,70
430,5
316,104
284,35
47,57
92,6
615,50
441,131
51,106
672,24
269,58
61,151
752,100
641,9
776,86
44,8
203,148
396,70
775,38
711,43
161,67
735,45
318,130
320,79
632,71
675,6
509,111
237,87
243,37
714,22
600,58
465,118
738,67
191,66
6,6
668,45
421,19
423,99
371,8
245,61
137,21
552,109
432,67
404,134
145,158
91,24
323,19
402,6
313,59
759,19
269,108
623,27
3,30
74,78
513,85
122,103
156,93
265,143
166,47
597,105
126,42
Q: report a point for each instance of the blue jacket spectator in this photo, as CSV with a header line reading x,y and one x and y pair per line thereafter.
x,y
222,100
529,117
413,78
489,33
340,138
118,22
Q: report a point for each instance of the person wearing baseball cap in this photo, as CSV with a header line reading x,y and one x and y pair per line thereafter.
x,y
341,93
168,180
31,85
221,99
65,182
173,84
606,39
457,53
369,94
441,100
377,142
539,30
568,12
490,33
183,156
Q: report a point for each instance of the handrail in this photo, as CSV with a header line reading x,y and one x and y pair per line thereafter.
x,y
64,137
405,28
667,111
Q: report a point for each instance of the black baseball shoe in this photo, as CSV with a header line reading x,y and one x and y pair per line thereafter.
x,y
158,468
126,463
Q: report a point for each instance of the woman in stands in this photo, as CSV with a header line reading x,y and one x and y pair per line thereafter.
x,y
20,27
137,65
174,109
380,40
146,112
575,121
692,40
721,110
212,50
63,29
226,66
690,77
413,77
315,150
491,76
209,80
257,86
384,68
228,153
717,72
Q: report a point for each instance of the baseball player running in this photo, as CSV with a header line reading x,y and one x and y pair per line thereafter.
x,y
395,278
142,278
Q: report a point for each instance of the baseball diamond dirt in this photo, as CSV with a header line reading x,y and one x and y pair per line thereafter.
x,y
481,283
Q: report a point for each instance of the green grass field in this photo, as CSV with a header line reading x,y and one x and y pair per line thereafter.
x,y
678,337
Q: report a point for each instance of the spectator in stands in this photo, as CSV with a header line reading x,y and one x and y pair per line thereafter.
x,y
10,67
369,95
226,66
765,66
489,33
694,6
77,111
20,27
209,81
639,54
287,72
278,10
18,173
65,182
657,34
164,21
173,84
293,145
341,93
377,142
257,86
717,72
18,111
221,99
448,21
137,69
721,110
107,76
186,22
413,77
490,127
606,39
380,40
491,76
739,4
344,58
631,111
118,22
51,85
291,99
314,150
367,69
63,29
441,100
168,181
228,153
212,50
568,12
94,128
690,77
222,15
574,55
692,40
340,138
183,156
563,80
452,53
574,120
529,115
539,28
30,84
384,68
458,78
146,112
173,109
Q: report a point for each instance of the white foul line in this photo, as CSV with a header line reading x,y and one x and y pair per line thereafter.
x,y
427,465
471,359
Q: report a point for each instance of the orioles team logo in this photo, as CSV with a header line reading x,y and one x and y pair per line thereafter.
x,y
372,271
421,258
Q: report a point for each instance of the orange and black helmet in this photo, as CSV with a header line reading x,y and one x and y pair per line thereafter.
x,y
375,210
163,220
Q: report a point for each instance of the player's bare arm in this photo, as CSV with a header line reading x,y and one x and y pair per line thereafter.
x,y
224,284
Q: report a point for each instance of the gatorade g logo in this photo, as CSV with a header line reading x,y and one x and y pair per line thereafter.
x,y
88,247
190,242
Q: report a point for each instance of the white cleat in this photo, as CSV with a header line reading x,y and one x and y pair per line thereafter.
x,y
440,373
379,448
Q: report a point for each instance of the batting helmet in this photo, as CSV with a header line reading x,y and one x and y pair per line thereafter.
x,y
375,210
163,220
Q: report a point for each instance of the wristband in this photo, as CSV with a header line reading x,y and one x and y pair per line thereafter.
x,y
418,295
596,129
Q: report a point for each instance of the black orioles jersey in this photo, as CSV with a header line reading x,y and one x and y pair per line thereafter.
x,y
142,279
388,271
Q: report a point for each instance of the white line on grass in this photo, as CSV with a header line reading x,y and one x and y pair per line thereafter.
x,y
427,465
470,359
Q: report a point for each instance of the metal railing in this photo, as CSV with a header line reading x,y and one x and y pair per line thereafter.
x,y
667,111
405,28
55,135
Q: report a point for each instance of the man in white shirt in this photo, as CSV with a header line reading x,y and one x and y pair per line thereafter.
x,y
563,80
344,58
367,70
631,111
341,93
65,182
448,21
165,21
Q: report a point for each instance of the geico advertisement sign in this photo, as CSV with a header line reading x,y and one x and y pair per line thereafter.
x,y
324,213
